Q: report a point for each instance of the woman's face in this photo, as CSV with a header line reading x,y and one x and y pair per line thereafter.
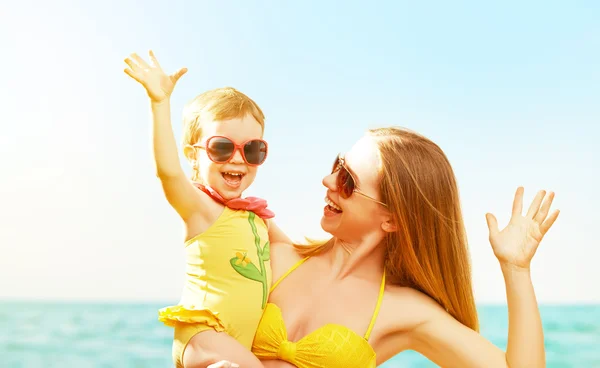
x,y
360,215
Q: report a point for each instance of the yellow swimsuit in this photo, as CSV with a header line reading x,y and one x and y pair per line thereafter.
x,y
331,345
228,274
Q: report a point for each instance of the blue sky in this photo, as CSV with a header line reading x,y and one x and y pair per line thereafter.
x,y
509,90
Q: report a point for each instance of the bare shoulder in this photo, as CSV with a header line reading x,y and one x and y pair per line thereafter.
x,y
283,257
402,311
405,308
187,200
276,235
206,213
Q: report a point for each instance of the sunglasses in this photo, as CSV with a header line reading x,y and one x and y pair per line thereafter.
x,y
222,149
346,184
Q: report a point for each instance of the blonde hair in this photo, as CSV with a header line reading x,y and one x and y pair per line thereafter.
x,y
217,104
429,251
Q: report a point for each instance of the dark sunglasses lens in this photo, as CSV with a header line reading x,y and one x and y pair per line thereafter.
x,y
345,182
255,152
220,149
336,165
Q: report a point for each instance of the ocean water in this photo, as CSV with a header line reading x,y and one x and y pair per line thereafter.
x,y
103,335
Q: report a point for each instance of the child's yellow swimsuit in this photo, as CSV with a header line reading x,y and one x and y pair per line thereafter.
x,y
228,275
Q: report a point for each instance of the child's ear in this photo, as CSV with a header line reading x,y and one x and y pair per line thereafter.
x,y
189,153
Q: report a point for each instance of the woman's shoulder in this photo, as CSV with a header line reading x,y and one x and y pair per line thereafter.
x,y
404,308
284,252
283,257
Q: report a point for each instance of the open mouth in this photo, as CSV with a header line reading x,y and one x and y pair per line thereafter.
x,y
332,206
232,178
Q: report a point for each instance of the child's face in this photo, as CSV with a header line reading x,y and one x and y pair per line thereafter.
x,y
219,176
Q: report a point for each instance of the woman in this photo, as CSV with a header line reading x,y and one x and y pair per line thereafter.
x,y
395,275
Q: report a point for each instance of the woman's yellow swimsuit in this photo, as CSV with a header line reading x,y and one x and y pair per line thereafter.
x,y
228,274
331,346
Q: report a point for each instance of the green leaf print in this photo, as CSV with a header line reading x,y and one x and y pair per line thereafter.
x,y
248,270
242,265
265,255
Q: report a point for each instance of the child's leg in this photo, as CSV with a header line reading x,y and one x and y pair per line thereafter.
x,y
210,347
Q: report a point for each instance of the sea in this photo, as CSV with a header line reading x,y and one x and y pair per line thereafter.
x,y
128,335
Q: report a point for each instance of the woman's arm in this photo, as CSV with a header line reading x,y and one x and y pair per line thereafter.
x,y
450,344
525,334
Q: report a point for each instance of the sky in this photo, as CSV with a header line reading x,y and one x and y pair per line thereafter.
x,y
509,90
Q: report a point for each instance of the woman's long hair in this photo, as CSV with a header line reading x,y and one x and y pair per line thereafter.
x,y
429,250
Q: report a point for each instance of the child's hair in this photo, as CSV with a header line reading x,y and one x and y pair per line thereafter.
x,y
217,104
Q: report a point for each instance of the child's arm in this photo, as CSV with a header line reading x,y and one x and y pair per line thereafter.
x,y
183,196
210,348
276,235
179,191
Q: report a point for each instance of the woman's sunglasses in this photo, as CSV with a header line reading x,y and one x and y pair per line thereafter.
x,y
345,182
222,149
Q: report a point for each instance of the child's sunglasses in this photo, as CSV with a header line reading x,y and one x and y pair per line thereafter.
x,y
222,149
345,182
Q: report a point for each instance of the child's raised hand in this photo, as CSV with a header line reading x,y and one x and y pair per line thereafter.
x,y
159,86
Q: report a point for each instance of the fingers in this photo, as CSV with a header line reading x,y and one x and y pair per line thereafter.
x,y
543,212
535,205
140,70
224,364
136,65
518,202
132,64
139,61
175,77
133,75
153,59
546,225
492,224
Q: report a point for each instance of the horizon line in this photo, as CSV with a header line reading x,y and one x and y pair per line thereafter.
x,y
158,301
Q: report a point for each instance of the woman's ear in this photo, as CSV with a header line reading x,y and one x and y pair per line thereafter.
x,y
389,226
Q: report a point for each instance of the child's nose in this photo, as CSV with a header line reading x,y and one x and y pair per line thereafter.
x,y
237,157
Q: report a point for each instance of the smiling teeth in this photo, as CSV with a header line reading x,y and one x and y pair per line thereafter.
x,y
333,205
234,174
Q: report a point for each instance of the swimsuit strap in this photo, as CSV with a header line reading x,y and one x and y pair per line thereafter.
x,y
286,274
379,299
